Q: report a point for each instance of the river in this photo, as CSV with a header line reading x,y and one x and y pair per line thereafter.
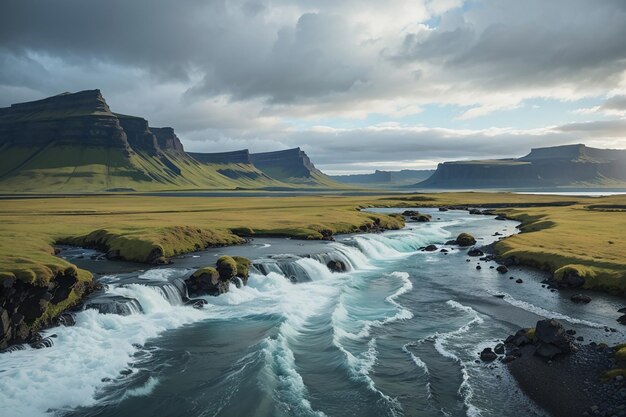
x,y
398,334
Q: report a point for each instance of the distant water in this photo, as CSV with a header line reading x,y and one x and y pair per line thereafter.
x,y
396,335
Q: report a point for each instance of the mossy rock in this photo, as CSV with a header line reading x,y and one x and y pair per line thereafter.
x,y
243,266
465,239
614,373
206,273
226,267
573,275
530,334
620,354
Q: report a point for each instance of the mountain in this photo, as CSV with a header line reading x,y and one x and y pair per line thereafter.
x,y
385,178
559,166
238,166
73,142
291,166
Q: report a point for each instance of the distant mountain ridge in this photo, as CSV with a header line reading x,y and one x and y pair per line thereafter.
x,y
558,166
385,178
73,142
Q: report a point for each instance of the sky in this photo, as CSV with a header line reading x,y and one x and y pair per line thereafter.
x,y
359,85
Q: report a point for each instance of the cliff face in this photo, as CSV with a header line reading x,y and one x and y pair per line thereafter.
x,y
292,166
82,118
140,137
167,139
571,165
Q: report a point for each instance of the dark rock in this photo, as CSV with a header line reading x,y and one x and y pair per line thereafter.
x,y
500,217
410,213
622,320
488,355
422,218
570,332
444,250
571,279
450,242
509,359
206,281
622,310
502,269
430,248
478,267
580,338
337,266
499,349
197,303
519,339
519,281
443,209
580,299
550,331
475,252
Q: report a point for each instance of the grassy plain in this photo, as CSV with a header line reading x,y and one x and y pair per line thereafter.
x,y
559,232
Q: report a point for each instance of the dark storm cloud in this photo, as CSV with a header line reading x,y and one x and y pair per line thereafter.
x,y
507,43
251,73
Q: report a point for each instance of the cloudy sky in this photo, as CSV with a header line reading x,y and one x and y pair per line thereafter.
x,y
359,85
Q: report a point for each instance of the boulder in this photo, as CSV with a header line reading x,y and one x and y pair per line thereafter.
x,y
475,252
337,266
430,248
552,332
206,281
443,209
422,218
410,213
227,268
502,269
519,339
499,349
488,355
500,217
478,267
622,320
580,298
519,281
465,239
571,279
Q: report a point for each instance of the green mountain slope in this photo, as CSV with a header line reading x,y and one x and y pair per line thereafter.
x,y
74,143
292,166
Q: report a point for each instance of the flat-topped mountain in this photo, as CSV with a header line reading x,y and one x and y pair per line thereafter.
x,y
73,142
559,166
291,165
385,178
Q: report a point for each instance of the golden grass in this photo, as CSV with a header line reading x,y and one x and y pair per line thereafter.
x,y
138,226
586,234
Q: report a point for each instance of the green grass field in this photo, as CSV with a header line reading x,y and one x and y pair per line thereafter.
x,y
586,234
